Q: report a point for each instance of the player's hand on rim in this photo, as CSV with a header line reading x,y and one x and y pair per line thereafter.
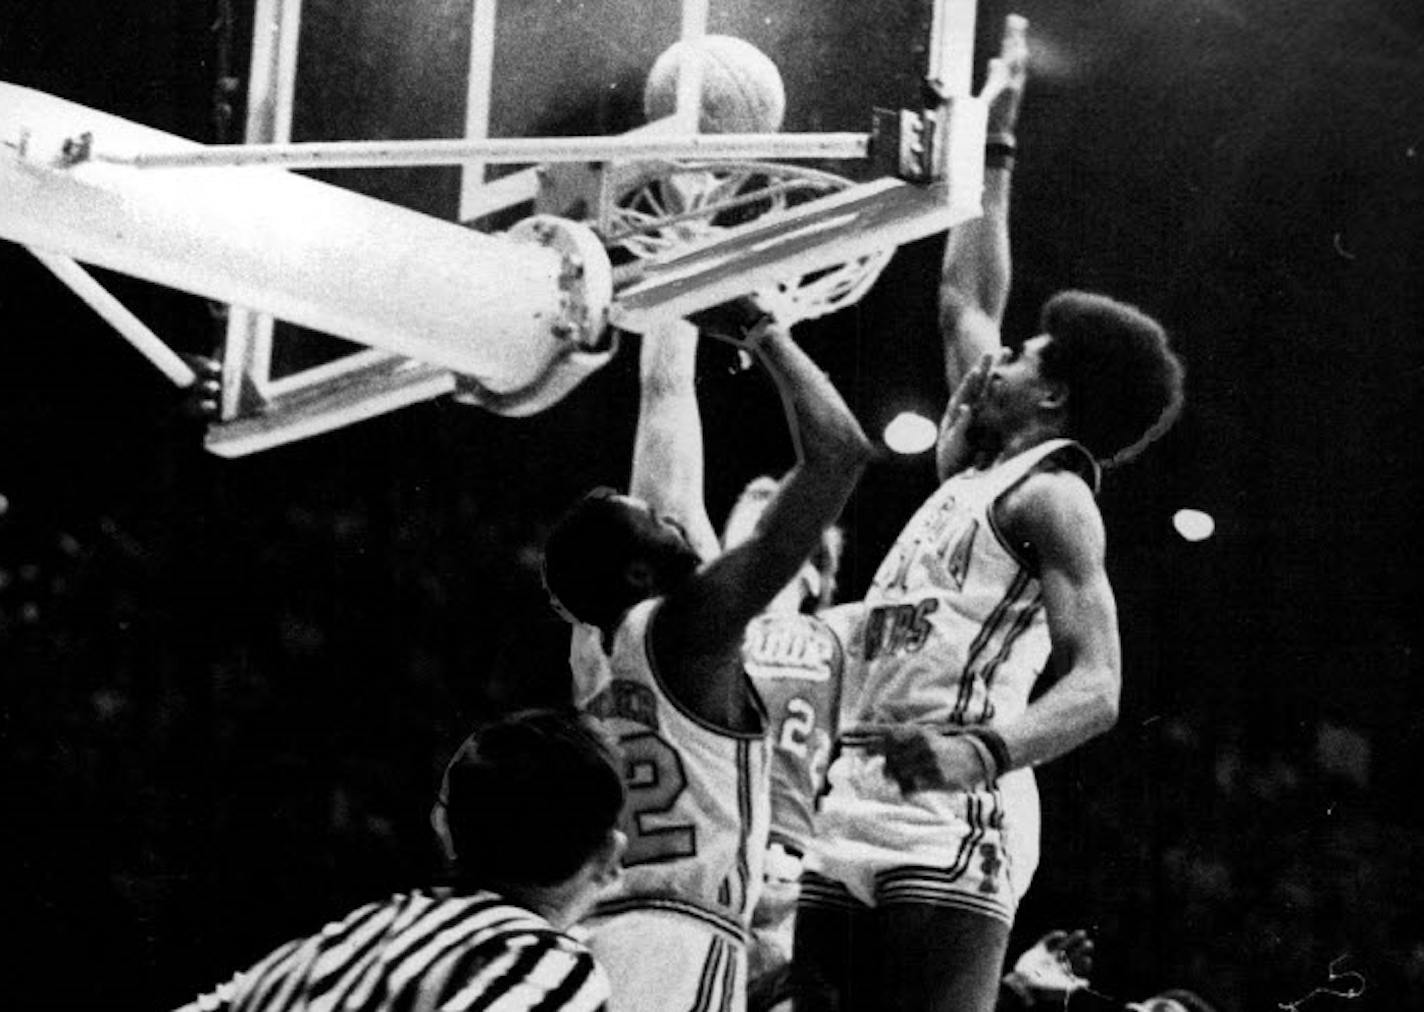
x,y
747,321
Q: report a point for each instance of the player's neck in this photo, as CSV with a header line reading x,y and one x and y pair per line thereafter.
x,y
1026,437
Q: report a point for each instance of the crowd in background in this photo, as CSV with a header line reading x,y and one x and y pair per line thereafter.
x,y
223,727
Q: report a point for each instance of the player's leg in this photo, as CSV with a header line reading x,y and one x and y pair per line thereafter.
x,y
939,958
834,954
659,960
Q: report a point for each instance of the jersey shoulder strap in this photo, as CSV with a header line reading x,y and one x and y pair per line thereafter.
x,y
1069,454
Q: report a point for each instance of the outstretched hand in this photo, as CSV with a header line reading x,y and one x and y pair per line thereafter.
x,y
1006,78
1058,964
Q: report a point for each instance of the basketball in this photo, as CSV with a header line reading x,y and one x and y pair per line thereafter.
x,y
742,91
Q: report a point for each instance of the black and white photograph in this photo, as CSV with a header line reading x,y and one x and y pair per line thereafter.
x,y
712,505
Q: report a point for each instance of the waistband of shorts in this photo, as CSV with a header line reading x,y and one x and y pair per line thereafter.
x,y
872,734
728,927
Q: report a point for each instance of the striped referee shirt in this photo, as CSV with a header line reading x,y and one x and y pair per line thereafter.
x,y
425,951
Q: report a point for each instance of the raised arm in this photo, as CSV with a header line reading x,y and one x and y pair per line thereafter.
x,y
667,448
974,279
697,637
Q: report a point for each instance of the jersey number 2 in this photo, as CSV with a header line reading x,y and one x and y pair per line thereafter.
x,y
798,736
653,774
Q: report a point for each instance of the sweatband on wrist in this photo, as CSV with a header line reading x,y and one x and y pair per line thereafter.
x,y
999,154
998,749
986,760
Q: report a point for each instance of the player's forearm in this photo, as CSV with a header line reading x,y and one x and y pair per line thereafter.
x,y
831,452
977,267
823,429
667,448
1081,706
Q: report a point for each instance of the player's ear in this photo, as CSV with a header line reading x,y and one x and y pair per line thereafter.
x,y
1055,395
608,859
641,575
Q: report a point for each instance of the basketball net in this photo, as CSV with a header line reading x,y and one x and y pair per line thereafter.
x,y
665,209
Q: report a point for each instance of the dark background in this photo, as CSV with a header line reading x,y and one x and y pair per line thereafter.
x,y
229,685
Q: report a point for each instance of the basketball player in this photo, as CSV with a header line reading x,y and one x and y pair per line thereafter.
x,y
663,670
795,653
928,835
793,658
532,808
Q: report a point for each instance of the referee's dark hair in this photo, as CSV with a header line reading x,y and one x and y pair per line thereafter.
x,y
532,796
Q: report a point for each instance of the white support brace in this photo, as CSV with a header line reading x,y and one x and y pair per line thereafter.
x,y
951,55
477,103
512,150
321,256
118,316
688,108
271,89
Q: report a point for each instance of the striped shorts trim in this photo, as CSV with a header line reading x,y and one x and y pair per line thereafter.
x,y
910,885
729,928
717,991
824,893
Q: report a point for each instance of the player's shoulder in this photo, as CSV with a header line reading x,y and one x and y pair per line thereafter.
x,y
1053,502
1057,479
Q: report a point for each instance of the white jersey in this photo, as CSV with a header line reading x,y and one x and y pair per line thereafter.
x,y
955,632
796,662
698,807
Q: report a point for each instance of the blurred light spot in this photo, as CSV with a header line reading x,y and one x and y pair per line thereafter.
x,y
910,433
4,504
1193,525
1343,752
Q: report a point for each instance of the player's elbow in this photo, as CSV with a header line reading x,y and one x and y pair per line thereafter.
x,y
854,446
1105,703
844,451
856,450
1108,711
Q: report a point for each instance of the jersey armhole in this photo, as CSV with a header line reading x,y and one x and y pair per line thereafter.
x,y
1070,457
749,690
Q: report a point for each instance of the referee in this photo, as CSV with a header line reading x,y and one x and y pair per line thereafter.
x,y
532,804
